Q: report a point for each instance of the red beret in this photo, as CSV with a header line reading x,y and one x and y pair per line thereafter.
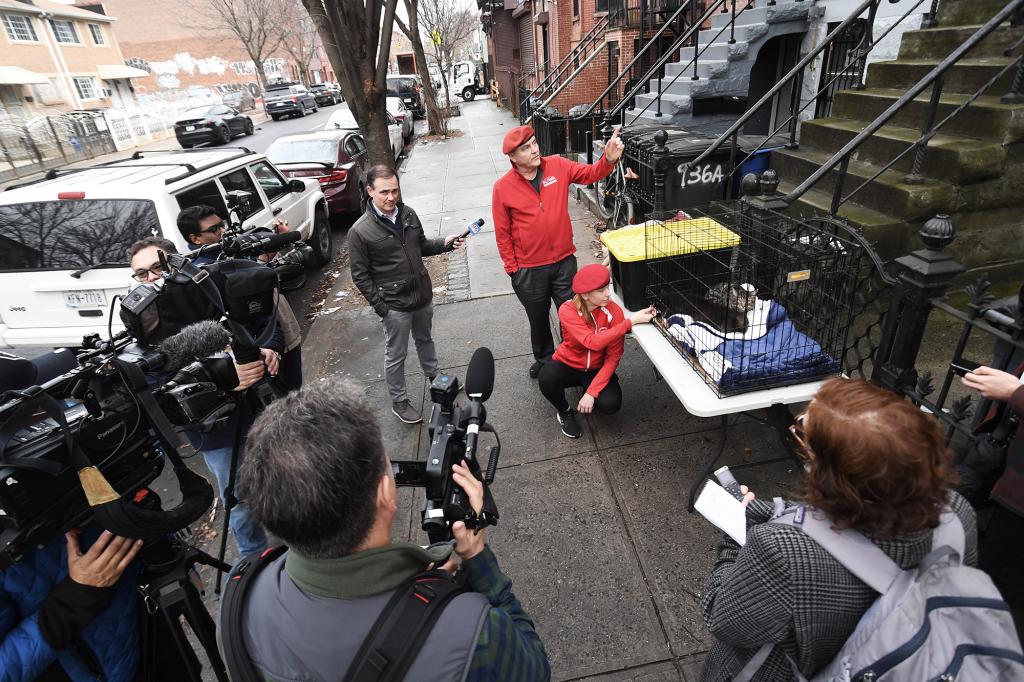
x,y
516,137
590,278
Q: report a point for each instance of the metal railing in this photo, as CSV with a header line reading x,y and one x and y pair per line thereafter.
x,y
35,145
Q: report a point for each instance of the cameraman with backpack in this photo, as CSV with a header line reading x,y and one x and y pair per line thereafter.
x,y
789,600
343,597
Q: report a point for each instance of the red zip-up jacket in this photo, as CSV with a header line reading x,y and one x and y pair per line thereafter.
x,y
591,344
534,230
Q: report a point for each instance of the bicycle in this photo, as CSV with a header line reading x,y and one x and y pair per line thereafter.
x,y
613,199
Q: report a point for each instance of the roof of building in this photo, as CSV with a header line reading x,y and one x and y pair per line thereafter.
x,y
57,9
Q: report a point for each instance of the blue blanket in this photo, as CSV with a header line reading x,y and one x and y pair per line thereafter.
x,y
781,355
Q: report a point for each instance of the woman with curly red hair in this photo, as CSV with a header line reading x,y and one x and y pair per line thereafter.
x,y
874,463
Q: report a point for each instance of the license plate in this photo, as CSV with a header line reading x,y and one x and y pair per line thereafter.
x,y
87,298
189,128
408,100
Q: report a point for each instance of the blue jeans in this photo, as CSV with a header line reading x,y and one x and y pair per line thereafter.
x,y
249,536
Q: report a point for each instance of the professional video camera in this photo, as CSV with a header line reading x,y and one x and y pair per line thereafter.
x,y
81,444
453,439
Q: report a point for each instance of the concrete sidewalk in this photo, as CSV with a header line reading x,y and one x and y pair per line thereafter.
x,y
594,532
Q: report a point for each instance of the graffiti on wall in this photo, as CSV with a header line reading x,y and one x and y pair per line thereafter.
x,y
169,72
272,66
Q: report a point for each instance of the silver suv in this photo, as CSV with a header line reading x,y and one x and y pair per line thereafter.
x,y
65,238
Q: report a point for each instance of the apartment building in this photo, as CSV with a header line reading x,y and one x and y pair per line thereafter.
x,y
56,57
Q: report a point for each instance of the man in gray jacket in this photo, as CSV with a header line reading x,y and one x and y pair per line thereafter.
x,y
386,250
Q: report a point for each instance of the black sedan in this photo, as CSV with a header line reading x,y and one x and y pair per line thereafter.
x,y
216,123
325,95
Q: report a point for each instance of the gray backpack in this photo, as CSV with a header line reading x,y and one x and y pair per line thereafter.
x,y
941,621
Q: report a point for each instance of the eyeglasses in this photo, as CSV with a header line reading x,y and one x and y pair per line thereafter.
x,y
142,274
216,227
796,429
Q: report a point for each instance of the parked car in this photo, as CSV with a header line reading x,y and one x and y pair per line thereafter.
x,y
325,94
289,99
217,123
336,158
397,108
66,236
344,119
240,99
409,89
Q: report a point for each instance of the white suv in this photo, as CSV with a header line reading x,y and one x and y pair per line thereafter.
x,y
64,239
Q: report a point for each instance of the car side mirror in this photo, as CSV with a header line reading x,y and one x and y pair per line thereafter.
x,y
296,186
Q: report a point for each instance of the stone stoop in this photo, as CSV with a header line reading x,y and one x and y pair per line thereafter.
x,y
973,167
723,68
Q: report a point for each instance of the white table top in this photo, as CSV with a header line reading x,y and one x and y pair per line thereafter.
x,y
695,395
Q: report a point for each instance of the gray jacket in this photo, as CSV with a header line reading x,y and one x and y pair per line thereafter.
x,y
784,588
389,270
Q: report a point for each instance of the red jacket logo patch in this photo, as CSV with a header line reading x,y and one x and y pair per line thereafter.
x,y
549,180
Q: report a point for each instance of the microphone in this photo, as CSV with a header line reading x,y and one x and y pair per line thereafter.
x,y
479,384
275,242
473,228
194,342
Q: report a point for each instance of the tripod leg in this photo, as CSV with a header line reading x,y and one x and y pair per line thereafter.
x,y
183,600
228,494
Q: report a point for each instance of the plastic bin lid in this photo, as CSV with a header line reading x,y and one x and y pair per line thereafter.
x,y
674,238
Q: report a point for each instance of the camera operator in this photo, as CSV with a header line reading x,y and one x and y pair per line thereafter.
x,y
68,611
318,477
217,445
200,226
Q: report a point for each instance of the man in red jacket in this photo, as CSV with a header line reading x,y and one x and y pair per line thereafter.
x,y
530,207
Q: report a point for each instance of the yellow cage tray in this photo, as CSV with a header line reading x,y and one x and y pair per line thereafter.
x,y
673,238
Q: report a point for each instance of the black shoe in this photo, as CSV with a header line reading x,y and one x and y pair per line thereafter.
x,y
570,427
406,412
535,369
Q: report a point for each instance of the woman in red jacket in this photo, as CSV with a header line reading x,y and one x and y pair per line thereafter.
x,y
593,329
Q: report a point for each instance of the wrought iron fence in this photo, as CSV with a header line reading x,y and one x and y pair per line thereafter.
x,y
559,133
44,142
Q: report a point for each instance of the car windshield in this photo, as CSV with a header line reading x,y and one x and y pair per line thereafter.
x,y
343,119
397,86
60,235
198,112
298,151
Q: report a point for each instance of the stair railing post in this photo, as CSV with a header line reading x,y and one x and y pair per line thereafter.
x,y
794,109
732,24
922,276
837,192
659,158
932,21
1014,96
696,39
915,177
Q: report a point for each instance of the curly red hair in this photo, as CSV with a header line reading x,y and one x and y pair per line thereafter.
x,y
877,463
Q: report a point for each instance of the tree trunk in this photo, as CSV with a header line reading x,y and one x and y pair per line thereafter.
x,y
435,119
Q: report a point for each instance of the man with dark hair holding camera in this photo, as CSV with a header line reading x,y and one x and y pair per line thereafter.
x,y
319,479
386,251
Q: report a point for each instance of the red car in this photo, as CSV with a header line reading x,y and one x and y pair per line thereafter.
x,y
337,158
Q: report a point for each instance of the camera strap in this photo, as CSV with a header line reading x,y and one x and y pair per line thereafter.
x,y
389,649
23,416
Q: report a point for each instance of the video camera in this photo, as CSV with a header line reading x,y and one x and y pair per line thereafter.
x,y
453,439
85,443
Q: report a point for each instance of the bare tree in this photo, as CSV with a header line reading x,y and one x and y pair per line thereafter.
x,y
300,38
258,25
447,24
357,39
437,123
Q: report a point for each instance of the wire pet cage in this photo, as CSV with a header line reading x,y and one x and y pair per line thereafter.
x,y
751,305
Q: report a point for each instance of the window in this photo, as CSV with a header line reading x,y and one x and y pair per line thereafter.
x,y
20,28
64,31
575,8
239,181
207,194
97,34
360,145
86,87
352,148
271,182
59,235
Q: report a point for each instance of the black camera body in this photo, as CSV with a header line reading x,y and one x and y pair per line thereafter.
x,y
453,431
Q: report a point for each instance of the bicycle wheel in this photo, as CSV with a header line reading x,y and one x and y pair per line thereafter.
x,y
605,192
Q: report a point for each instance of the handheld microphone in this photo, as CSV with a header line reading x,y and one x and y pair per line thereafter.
x,y
479,384
473,228
194,342
277,241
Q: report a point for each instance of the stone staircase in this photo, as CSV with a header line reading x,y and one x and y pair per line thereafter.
x,y
973,168
723,69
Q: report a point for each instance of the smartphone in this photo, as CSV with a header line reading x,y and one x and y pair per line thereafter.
x,y
960,366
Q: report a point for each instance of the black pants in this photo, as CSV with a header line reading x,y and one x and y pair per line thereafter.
x,y
289,373
555,377
536,289
1001,555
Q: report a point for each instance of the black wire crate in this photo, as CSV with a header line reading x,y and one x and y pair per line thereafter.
x,y
751,305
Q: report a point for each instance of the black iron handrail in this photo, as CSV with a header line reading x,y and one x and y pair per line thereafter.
x,y
842,157
660,61
563,66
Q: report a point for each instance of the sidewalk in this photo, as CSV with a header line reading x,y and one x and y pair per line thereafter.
x,y
594,532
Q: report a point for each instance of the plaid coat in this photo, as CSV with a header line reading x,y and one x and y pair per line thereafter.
x,y
782,587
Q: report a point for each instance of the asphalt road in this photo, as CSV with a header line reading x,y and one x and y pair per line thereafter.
x,y
270,130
